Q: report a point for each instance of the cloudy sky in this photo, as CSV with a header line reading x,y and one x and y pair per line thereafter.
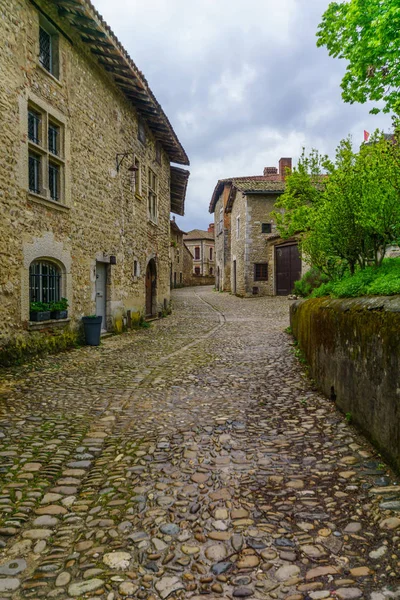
x,y
242,83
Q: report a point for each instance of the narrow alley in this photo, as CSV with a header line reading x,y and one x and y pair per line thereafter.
x,y
190,460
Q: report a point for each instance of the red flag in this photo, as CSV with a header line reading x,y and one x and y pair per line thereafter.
x,y
366,136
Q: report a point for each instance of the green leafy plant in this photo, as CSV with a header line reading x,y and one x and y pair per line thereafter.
x,y
39,307
371,281
311,280
349,417
60,305
367,36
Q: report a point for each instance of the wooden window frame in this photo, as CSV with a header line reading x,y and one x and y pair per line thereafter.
x,y
197,253
260,271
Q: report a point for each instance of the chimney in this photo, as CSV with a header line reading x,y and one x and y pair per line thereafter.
x,y
284,164
270,171
211,228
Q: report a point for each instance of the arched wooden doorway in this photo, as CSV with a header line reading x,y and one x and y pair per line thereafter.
x,y
151,283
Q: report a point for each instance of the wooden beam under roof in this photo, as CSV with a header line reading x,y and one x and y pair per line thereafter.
x,y
101,41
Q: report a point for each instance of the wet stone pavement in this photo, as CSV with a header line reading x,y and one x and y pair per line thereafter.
x,y
190,460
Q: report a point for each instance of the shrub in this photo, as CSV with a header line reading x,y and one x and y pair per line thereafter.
x,y
309,282
371,281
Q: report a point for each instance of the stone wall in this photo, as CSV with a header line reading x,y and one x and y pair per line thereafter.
x,y
177,259
99,214
223,244
250,245
353,349
196,280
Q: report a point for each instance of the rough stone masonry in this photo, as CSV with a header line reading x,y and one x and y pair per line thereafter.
x,y
191,460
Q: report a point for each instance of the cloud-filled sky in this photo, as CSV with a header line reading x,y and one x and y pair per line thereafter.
x,y
242,83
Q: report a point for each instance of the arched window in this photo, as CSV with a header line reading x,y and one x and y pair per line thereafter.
x,y
44,282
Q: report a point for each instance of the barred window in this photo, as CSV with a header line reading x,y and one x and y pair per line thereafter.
x,y
261,272
44,282
46,154
34,126
48,47
53,138
152,195
34,173
45,50
54,181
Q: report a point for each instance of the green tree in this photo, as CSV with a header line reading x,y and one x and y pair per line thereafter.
x,y
346,217
366,33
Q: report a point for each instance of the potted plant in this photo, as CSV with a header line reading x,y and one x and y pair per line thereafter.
x,y
39,311
59,310
92,329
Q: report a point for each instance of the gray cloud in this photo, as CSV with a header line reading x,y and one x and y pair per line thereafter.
x,y
242,82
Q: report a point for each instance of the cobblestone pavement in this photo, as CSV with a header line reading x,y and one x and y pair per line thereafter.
x,y
190,460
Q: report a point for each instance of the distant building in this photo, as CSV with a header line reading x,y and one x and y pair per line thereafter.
x,y
251,258
181,259
202,247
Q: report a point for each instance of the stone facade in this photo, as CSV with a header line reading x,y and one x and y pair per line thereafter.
x,y
246,237
102,214
187,266
222,228
202,247
181,259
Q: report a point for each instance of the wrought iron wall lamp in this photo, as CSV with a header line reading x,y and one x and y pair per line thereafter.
x,y
119,159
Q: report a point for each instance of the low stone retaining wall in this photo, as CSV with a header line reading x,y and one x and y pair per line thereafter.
x,y
353,349
199,280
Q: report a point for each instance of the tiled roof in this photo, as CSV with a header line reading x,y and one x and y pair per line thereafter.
x,y
113,58
248,184
198,234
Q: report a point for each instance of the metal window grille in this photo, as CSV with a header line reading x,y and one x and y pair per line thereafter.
x,y
45,50
261,272
44,282
34,173
53,139
152,192
34,126
54,181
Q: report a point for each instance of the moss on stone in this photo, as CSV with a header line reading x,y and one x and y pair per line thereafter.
x,y
24,347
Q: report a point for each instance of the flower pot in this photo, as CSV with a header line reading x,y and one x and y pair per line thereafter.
x,y
39,315
92,329
59,314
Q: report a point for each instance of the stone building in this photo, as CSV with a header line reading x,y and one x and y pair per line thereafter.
x,y
181,259
251,258
202,248
86,182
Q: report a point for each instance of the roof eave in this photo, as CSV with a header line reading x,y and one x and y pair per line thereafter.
x,y
111,55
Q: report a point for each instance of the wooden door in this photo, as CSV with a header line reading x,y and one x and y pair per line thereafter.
x,y
288,268
101,292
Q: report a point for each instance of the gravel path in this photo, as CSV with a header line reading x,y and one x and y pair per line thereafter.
x,y
190,460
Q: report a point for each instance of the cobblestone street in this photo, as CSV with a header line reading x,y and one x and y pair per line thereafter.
x,y
190,460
